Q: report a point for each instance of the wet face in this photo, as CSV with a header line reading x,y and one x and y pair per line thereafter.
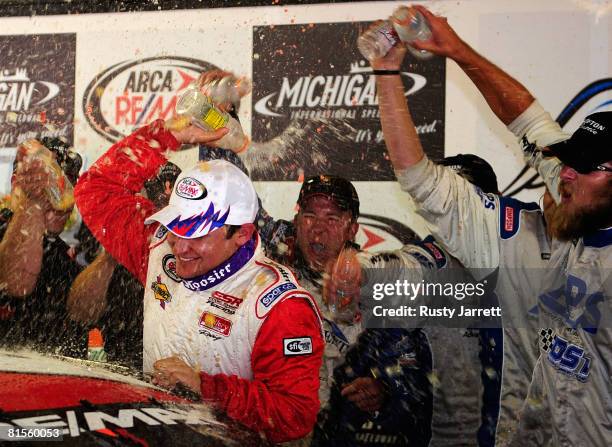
x,y
322,230
194,257
586,204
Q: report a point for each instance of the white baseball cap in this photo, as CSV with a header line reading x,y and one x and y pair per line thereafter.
x,y
206,197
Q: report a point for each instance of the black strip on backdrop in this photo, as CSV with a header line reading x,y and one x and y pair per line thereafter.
x,y
13,8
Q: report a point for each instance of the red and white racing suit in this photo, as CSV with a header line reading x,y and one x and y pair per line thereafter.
x,y
254,333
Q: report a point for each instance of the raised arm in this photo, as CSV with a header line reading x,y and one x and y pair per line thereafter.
x,y
397,125
21,248
108,194
462,218
506,97
87,299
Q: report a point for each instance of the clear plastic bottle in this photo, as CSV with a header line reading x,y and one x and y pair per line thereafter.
x,y
204,114
411,25
346,277
376,42
60,191
228,89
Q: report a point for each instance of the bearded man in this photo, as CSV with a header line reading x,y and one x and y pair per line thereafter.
x,y
569,395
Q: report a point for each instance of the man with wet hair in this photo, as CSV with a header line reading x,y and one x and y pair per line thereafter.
x,y
37,270
362,399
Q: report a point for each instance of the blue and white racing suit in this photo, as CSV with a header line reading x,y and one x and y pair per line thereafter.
x,y
541,283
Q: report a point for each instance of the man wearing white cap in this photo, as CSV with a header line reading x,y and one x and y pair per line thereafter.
x,y
219,317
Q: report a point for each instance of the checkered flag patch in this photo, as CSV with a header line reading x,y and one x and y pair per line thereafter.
x,y
546,339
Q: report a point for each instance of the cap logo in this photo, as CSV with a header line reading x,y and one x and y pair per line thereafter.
x,y
197,224
190,188
592,126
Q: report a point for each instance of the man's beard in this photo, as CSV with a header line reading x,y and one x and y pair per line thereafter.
x,y
567,225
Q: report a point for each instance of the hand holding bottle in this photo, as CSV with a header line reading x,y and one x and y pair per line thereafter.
x,y
443,40
223,88
411,26
407,25
183,129
40,178
377,40
205,114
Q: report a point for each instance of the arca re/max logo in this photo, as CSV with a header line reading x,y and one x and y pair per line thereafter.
x,y
133,93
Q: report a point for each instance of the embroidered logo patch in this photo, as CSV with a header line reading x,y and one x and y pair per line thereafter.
x,y
509,219
190,188
161,232
297,346
273,294
161,292
216,323
169,266
227,303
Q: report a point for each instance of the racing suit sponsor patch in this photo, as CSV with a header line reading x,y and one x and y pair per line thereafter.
x,y
215,323
161,292
569,358
488,199
510,215
430,246
573,305
273,294
227,303
161,232
509,219
169,266
297,346
383,258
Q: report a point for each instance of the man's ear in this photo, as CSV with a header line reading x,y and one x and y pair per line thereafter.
x,y
244,234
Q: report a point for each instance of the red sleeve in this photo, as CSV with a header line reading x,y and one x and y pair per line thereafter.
x,y
108,195
282,400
